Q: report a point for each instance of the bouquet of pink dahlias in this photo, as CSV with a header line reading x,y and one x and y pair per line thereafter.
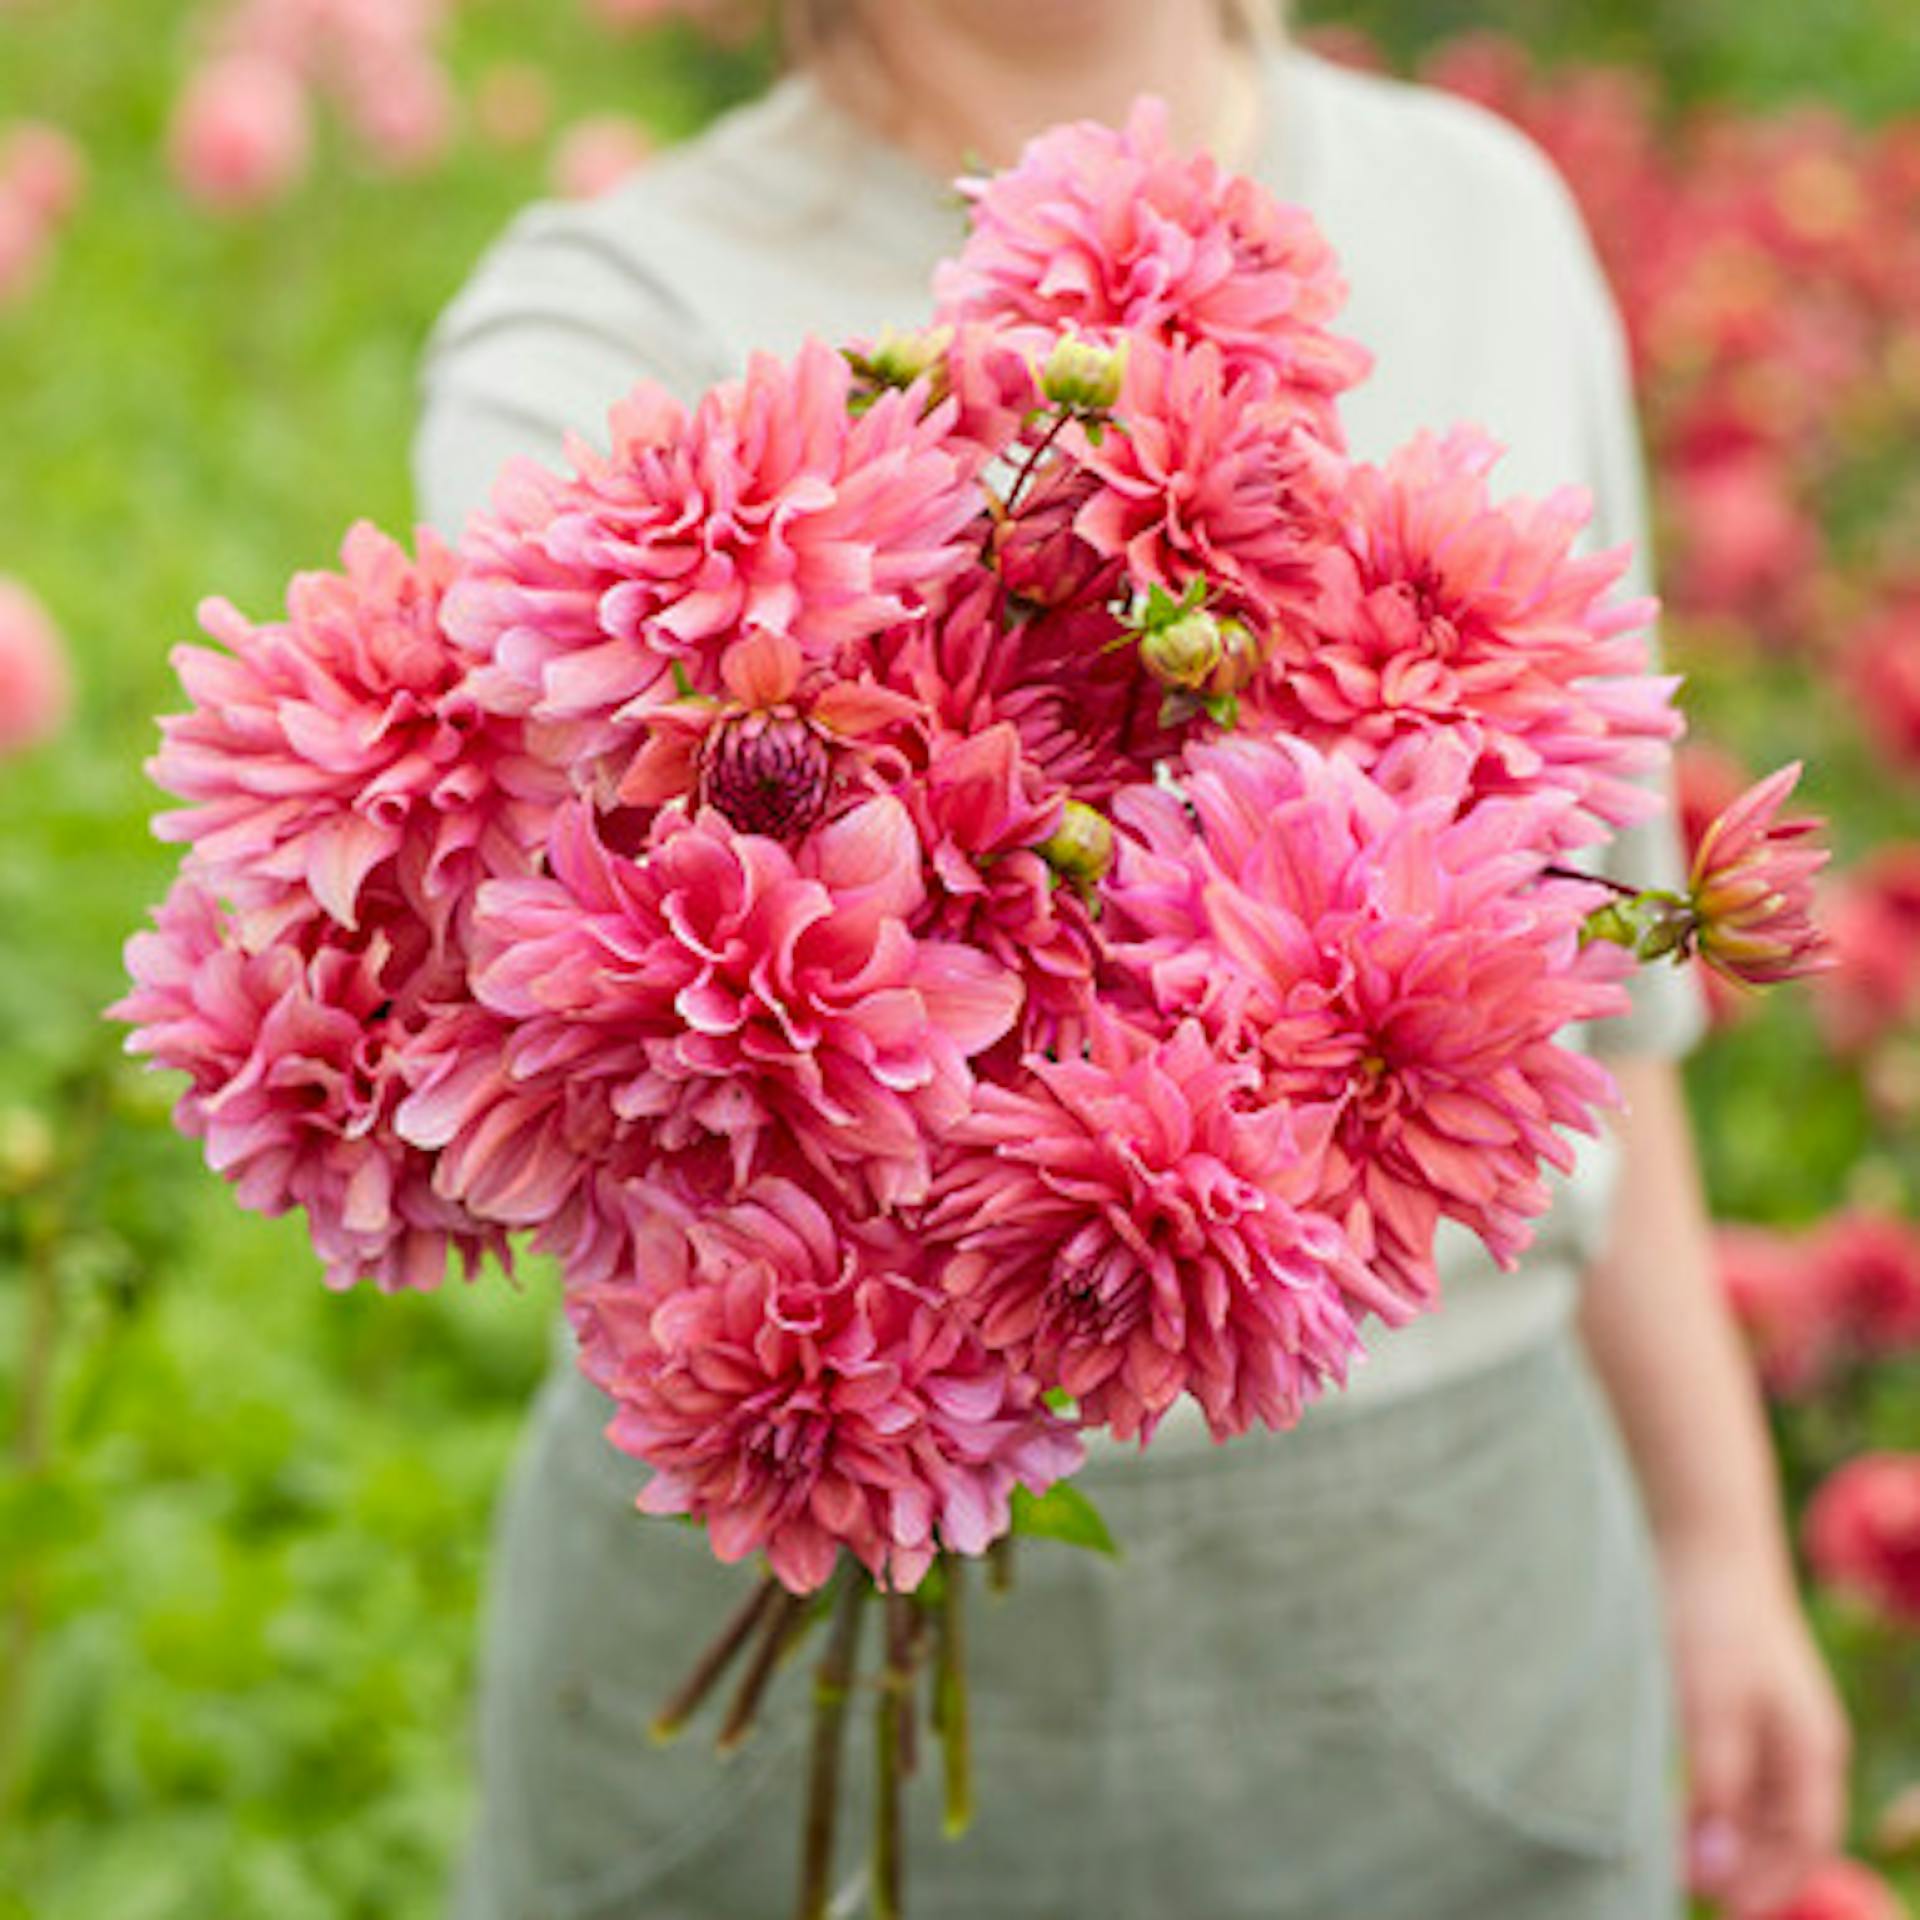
x,y
970,888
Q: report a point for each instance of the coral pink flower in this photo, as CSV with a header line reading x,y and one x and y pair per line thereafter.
x,y
796,1384
1104,231
1886,676
773,754
401,104
43,168
1130,1227
593,156
1777,1293
1742,538
36,690
982,812
1441,610
1862,1532
1841,1890
1869,1265
1207,482
240,137
769,508
1403,968
296,1051
724,987
24,249
345,737
1751,888
1873,926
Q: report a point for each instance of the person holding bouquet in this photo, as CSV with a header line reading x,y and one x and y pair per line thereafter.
x,y
1430,1654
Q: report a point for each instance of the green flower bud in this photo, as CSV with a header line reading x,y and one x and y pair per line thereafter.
x,y
1081,848
896,360
1184,652
1082,376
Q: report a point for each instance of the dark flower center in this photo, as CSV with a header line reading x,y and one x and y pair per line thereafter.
x,y
768,773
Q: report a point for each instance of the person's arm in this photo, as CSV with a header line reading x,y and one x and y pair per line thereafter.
x,y
1764,1735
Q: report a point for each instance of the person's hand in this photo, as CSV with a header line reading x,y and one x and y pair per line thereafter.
x,y
1765,1739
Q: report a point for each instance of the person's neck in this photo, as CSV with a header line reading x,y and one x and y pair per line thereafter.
x,y
958,86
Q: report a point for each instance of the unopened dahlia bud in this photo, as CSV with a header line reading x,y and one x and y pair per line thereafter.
x,y
897,359
1083,376
767,773
1751,888
1081,847
1240,655
1186,651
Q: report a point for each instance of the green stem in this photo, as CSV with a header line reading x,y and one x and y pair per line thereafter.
x,y
670,1722
888,1878
783,1622
1000,1565
903,1666
832,1688
950,1697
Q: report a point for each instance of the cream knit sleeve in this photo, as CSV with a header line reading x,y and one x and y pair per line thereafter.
x,y
560,319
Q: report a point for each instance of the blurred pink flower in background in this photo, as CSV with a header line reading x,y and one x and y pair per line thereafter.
x,y
43,175
36,690
241,135
1862,1532
1885,666
44,167
593,156
1841,1890
1873,924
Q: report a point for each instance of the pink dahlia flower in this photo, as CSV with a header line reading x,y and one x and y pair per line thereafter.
x,y
724,987
1885,666
769,508
1441,611
1109,232
1132,1226
43,167
1842,1890
796,1384
1862,1532
1204,481
1873,926
324,747
1751,888
982,812
1401,968
595,155
36,688
296,1054
241,135
1788,1315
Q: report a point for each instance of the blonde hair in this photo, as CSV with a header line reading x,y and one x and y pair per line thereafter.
x,y
807,25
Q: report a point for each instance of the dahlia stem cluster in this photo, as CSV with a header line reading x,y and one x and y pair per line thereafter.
x,y
980,887
922,1660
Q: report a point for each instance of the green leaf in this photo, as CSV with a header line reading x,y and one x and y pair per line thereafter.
x,y
1063,1512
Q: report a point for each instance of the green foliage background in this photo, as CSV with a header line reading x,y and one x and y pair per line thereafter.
x,y
242,1520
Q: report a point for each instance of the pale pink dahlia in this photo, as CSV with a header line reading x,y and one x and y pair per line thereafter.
x,y
1131,1226
296,1053
1403,968
796,1384
1441,610
1751,888
770,508
36,684
1108,231
725,987
320,748
1204,481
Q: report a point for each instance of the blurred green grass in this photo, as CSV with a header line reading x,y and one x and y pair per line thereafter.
x,y
248,1570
